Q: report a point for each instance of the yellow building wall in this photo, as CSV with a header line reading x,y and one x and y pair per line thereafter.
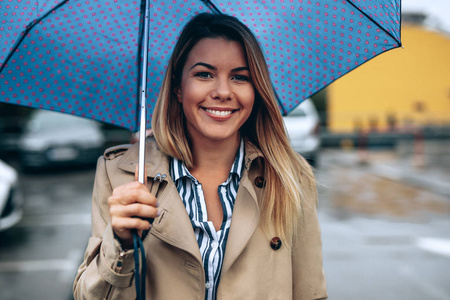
x,y
412,85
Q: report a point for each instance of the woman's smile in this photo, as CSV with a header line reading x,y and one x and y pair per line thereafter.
x,y
219,112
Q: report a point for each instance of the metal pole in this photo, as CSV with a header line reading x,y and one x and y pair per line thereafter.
x,y
143,97
137,242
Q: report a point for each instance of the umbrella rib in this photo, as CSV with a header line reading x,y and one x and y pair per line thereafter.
x,y
284,110
382,28
25,32
212,6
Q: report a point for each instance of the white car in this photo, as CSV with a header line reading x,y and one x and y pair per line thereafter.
x,y
10,200
303,126
57,139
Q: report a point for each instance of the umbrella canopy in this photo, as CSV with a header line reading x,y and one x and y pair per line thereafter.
x,y
83,57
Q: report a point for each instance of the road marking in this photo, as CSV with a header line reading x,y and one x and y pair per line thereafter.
x,y
55,220
67,265
37,265
434,245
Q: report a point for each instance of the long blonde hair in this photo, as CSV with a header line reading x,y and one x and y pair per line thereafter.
x,y
286,173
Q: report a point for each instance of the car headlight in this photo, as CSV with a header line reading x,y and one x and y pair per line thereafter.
x,y
8,175
33,144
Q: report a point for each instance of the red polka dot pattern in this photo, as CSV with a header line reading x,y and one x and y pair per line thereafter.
x,y
82,57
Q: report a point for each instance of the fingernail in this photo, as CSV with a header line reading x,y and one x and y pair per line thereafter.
x,y
157,204
158,213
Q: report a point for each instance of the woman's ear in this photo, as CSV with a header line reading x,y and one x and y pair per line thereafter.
x,y
177,92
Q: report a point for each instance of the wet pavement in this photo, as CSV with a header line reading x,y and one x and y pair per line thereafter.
x,y
40,255
385,224
384,217
382,182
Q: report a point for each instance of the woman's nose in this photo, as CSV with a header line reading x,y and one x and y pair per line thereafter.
x,y
222,90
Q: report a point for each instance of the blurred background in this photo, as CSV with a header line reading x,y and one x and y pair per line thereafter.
x,y
378,138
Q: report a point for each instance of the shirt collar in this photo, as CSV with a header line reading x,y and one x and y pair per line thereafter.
x,y
178,168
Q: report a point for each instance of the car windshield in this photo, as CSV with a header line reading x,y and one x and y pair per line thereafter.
x,y
43,120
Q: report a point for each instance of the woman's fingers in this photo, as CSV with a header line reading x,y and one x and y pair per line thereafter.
x,y
121,224
131,193
130,207
123,229
134,210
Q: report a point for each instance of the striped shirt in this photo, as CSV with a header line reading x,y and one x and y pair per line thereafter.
x,y
211,243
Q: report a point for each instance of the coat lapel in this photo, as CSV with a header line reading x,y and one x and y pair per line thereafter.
x,y
155,161
245,219
173,225
244,222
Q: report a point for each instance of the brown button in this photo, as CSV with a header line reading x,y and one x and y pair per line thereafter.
x,y
275,243
260,182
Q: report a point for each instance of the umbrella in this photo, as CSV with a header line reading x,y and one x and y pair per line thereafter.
x,y
84,57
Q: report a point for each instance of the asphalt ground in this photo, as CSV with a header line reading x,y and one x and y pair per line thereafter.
x,y
384,216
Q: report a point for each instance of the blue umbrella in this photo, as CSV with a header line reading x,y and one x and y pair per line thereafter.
x,y
83,57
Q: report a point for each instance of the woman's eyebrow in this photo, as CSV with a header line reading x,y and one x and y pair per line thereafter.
x,y
240,69
205,65
211,67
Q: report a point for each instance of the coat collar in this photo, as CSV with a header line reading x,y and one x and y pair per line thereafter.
x,y
174,226
155,160
158,162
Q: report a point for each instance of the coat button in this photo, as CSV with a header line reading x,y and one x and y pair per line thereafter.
x,y
275,243
260,181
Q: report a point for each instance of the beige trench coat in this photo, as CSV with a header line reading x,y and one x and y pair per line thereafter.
x,y
251,268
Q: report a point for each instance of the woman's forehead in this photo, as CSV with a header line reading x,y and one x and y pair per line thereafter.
x,y
217,50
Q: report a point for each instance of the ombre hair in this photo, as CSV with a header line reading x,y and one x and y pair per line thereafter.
x,y
286,173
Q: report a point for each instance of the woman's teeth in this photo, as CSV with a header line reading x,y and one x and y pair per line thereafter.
x,y
219,112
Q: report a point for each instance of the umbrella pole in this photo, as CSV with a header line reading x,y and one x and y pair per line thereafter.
x,y
137,242
143,97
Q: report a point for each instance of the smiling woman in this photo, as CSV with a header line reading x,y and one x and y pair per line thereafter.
x,y
228,205
217,96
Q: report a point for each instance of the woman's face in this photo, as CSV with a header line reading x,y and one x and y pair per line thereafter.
x,y
216,91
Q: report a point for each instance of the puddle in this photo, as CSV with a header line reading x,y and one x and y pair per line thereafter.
x,y
353,190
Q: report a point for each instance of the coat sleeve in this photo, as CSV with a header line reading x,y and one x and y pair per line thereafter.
x,y
107,271
309,281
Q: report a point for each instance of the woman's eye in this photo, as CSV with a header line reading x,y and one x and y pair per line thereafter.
x,y
203,75
241,78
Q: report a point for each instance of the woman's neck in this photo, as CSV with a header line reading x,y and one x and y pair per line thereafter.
x,y
214,157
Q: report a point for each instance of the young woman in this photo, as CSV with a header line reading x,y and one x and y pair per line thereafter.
x,y
234,207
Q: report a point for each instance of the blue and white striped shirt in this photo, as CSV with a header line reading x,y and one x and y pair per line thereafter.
x,y
211,243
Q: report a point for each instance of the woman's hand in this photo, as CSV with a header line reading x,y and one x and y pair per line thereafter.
x,y
130,207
